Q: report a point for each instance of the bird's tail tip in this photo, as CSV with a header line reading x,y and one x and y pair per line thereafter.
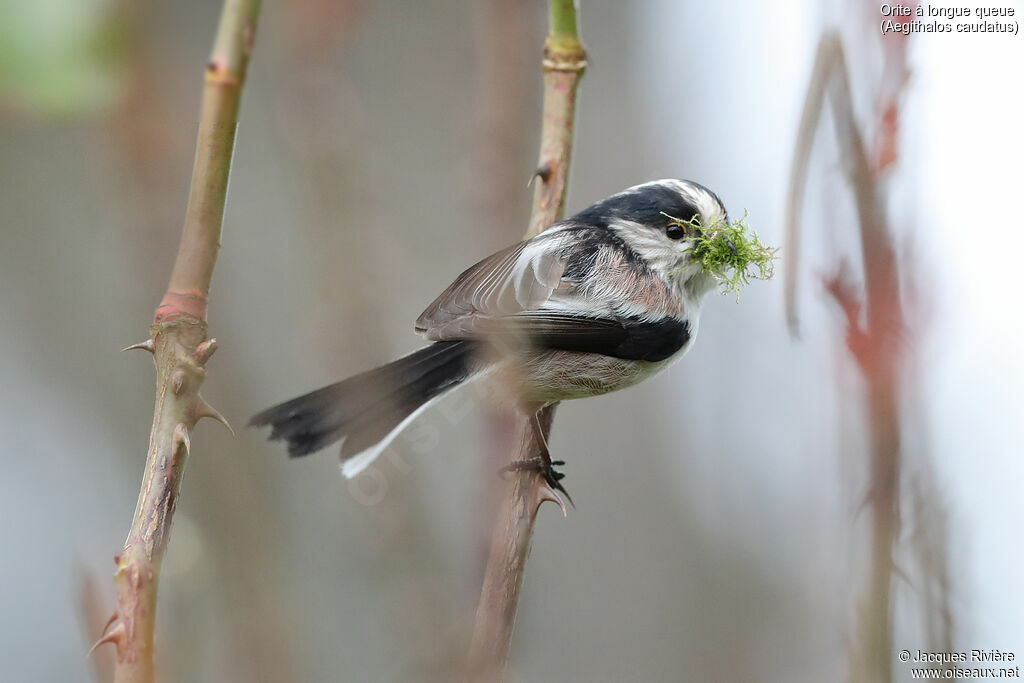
x,y
366,412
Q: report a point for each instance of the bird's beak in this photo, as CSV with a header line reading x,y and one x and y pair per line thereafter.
x,y
732,247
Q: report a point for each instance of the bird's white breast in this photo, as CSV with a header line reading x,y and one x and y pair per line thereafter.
x,y
555,376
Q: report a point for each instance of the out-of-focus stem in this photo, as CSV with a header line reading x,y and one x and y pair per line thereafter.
x,y
824,63
876,349
874,343
563,65
181,349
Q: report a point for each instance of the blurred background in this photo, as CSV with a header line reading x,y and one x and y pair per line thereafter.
x,y
724,518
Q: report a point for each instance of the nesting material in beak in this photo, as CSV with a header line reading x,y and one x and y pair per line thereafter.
x,y
732,253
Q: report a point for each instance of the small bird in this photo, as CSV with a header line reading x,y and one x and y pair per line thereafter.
x,y
595,303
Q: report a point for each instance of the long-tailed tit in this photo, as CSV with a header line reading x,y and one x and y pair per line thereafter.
x,y
595,303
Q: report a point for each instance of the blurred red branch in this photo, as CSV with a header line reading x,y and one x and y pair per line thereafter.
x,y
876,338
874,342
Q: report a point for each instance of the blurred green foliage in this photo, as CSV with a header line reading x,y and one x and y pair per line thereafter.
x,y
60,57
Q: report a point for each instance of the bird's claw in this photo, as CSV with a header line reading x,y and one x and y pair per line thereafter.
x,y
544,467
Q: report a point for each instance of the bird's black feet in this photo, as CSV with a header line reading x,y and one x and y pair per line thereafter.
x,y
542,464
545,466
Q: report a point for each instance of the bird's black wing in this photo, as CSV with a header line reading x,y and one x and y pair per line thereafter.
x,y
573,287
628,338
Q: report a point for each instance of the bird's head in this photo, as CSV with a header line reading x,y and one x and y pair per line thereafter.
x,y
660,221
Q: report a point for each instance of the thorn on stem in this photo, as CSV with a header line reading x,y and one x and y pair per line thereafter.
x,y
204,350
177,381
545,493
145,346
543,172
181,438
111,620
116,636
204,409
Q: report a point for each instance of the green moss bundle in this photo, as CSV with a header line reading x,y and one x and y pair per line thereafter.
x,y
732,253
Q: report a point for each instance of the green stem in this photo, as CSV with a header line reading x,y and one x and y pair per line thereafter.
x,y
563,65
189,286
562,18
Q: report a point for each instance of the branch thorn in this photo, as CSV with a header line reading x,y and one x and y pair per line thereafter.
x,y
181,438
177,381
543,172
145,346
545,493
116,636
204,351
204,409
111,620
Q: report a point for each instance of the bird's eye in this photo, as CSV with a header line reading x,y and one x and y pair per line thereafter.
x,y
675,232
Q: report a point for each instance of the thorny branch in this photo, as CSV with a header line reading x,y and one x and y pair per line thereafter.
x,y
563,65
179,344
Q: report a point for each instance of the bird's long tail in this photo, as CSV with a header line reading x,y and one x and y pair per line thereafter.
x,y
367,411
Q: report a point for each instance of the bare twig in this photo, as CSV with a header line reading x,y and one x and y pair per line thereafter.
x,y
564,62
824,64
181,349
